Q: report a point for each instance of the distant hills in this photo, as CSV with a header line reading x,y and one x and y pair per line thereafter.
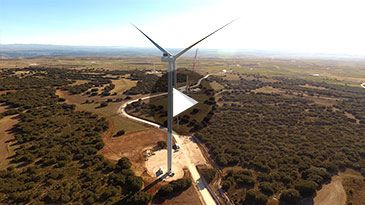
x,y
37,50
8,51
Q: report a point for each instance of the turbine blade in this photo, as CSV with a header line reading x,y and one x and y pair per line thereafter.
x,y
154,43
188,48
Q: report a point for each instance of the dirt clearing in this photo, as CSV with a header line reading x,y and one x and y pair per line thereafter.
x,y
6,124
269,90
79,82
132,146
159,159
332,193
122,85
2,109
188,155
7,91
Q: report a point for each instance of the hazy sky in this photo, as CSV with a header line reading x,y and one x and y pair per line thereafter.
x,y
312,26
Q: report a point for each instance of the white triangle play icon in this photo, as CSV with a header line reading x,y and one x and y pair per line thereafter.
x,y
182,102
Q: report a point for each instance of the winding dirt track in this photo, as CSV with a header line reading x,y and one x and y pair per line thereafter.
x,y
200,184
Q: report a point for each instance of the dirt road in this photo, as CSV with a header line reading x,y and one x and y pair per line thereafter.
x,y
332,193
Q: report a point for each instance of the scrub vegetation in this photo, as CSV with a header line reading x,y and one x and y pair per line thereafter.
x,y
56,158
275,128
285,142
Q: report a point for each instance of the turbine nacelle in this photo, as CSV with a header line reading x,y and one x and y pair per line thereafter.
x,y
166,57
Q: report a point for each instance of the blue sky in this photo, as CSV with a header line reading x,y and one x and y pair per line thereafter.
x,y
37,16
326,26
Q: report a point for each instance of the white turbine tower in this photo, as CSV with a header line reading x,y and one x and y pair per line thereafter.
x,y
174,96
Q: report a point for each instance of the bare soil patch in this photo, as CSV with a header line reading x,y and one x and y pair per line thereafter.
x,y
354,185
132,146
79,82
326,101
216,86
192,149
159,160
122,85
2,109
313,87
7,91
269,90
332,193
351,116
6,124
72,99
21,72
188,155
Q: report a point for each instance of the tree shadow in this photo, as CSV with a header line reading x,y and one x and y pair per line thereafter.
x,y
307,201
145,189
158,180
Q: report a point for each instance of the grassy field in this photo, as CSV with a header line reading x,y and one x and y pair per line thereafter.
x,y
335,71
116,121
81,63
122,85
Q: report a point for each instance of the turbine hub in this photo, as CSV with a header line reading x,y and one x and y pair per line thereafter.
x,y
167,58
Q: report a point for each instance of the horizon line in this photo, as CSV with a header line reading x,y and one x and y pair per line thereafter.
x,y
272,51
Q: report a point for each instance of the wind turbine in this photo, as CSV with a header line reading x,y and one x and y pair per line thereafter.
x,y
184,102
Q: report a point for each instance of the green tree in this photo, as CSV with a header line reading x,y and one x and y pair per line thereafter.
x,y
267,188
133,184
306,188
124,163
139,198
254,198
289,196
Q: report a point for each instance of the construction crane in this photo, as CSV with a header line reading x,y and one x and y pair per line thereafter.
x,y
193,69
195,57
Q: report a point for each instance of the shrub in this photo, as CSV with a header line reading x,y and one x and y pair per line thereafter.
x,y
139,198
119,133
290,196
124,163
181,185
267,188
165,191
103,104
161,145
244,180
133,184
226,185
306,188
254,198
174,188
209,174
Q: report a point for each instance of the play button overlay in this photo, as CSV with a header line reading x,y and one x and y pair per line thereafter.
x,y
182,102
